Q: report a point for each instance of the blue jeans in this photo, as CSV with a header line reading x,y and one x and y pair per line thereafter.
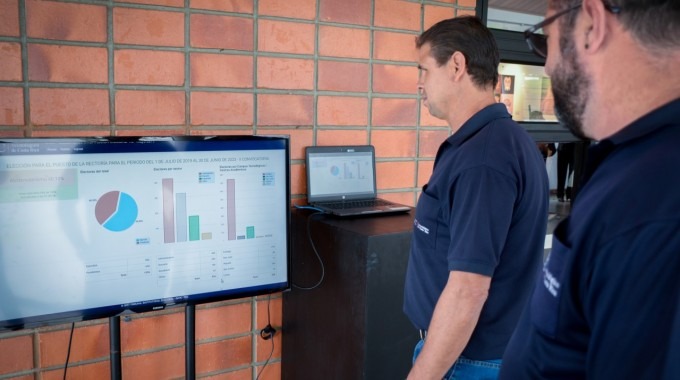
x,y
467,369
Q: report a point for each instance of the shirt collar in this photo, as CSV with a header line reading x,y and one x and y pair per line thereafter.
x,y
477,122
662,117
472,126
649,123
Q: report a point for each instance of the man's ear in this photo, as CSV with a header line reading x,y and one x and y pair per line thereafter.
x,y
457,66
593,28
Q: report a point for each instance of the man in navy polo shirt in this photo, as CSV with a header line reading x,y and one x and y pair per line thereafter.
x,y
480,222
607,305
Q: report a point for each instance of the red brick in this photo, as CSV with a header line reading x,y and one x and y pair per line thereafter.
x,y
169,131
285,37
11,106
395,79
344,42
343,76
99,370
271,372
220,321
167,3
429,142
75,132
12,133
146,333
394,46
303,9
272,313
428,120
275,109
434,14
17,354
341,137
165,364
394,112
299,139
243,374
216,70
275,312
10,62
150,107
465,12
394,175
337,110
264,347
467,3
65,21
397,14
66,106
394,143
298,182
347,11
221,108
222,131
285,73
60,63
149,67
25,377
424,172
221,32
90,342
9,9
237,6
145,27
223,354
403,197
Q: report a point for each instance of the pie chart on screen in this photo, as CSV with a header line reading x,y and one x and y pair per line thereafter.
x,y
116,211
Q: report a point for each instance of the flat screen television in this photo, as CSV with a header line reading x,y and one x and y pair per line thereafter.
x,y
97,227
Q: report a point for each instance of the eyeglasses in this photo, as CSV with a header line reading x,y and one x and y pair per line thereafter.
x,y
538,43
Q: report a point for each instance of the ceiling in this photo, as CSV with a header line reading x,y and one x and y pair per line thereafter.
x,y
535,7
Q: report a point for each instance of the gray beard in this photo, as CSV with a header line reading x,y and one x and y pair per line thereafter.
x,y
570,87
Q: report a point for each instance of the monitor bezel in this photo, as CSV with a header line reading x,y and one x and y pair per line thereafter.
x,y
143,306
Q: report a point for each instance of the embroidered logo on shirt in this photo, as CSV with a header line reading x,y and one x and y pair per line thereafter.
x,y
549,281
421,227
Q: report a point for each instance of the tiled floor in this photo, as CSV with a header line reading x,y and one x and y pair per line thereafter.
x,y
557,211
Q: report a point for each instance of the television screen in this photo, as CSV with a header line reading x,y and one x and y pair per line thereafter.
x,y
95,227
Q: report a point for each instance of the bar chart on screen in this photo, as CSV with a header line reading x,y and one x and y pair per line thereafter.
x,y
159,223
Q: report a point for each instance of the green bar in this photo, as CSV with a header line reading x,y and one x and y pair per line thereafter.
x,y
194,230
250,232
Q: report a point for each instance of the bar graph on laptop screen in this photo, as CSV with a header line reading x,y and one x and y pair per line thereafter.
x,y
341,173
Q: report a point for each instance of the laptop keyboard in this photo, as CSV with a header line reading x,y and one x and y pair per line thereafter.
x,y
356,204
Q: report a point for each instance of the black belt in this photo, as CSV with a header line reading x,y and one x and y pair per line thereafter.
x,y
423,334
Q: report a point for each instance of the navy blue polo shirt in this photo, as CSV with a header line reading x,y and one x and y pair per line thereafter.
x,y
607,303
483,211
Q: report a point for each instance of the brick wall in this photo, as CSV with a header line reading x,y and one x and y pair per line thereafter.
x,y
322,71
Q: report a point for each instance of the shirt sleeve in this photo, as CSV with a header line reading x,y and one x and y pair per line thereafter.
x,y
482,204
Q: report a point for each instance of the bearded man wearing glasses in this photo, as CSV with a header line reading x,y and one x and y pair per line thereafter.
x,y
607,305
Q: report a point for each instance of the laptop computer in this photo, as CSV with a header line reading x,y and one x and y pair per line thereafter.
x,y
341,181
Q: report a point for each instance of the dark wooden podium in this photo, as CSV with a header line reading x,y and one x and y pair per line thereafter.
x,y
352,325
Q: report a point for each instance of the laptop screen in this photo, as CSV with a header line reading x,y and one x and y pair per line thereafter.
x,y
340,172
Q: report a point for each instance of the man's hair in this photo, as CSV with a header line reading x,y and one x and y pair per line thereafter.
x,y
655,24
469,36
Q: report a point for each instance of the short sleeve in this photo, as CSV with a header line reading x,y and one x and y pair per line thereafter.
x,y
480,217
